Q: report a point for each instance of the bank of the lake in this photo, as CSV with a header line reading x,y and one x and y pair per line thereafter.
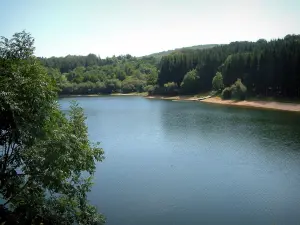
x,y
263,104
294,107
175,98
105,95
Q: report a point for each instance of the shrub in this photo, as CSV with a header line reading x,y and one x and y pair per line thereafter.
x,y
217,82
237,91
150,89
171,88
226,93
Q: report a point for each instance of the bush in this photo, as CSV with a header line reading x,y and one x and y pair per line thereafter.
x,y
150,89
133,85
237,91
157,90
217,82
112,85
171,88
226,93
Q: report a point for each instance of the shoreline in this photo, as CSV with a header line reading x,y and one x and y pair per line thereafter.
x,y
273,105
261,104
175,98
103,95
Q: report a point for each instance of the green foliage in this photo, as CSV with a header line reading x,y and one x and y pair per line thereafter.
x,y
236,91
46,159
159,55
133,85
217,82
152,77
190,83
226,93
266,68
82,74
170,88
239,90
150,89
112,85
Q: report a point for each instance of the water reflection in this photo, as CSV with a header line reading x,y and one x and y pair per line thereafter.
x,y
191,163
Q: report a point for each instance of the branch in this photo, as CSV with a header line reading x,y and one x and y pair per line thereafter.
x,y
6,153
17,193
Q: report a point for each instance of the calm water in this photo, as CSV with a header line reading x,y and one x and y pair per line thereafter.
x,y
187,163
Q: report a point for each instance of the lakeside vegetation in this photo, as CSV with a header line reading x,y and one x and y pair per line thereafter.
x,y
241,70
36,136
78,75
47,161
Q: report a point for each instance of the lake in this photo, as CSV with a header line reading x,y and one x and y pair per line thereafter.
x,y
191,163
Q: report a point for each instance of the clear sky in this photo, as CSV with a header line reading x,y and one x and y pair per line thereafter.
x,y
141,27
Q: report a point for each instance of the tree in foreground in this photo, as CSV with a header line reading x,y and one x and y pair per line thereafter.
x,y
46,160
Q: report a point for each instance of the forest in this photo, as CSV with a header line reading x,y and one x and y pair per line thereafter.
x,y
236,70
93,75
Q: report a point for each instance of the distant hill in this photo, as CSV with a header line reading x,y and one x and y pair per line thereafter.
x,y
164,53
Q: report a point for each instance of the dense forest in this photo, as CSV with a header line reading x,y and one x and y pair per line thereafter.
x,y
238,69
93,75
159,55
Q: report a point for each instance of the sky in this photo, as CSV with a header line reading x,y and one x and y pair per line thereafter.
x,y
142,27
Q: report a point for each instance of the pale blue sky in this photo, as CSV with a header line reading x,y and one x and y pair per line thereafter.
x,y
141,27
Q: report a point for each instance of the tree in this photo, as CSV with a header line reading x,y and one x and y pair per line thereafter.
x,y
112,85
267,68
152,77
46,160
217,82
226,93
150,89
239,90
190,83
133,85
170,88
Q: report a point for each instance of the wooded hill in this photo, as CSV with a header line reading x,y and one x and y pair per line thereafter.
x,y
261,68
159,55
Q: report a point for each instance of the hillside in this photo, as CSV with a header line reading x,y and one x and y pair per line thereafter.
x,y
253,69
158,55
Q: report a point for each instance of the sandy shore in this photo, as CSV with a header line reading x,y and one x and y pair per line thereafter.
x,y
103,95
257,104
130,94
295,107
174,98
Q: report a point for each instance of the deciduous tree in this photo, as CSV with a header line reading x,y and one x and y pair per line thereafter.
x,y
46,159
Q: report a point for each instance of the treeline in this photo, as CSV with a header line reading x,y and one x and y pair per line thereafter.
x,y
240,69
93,75
257,68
